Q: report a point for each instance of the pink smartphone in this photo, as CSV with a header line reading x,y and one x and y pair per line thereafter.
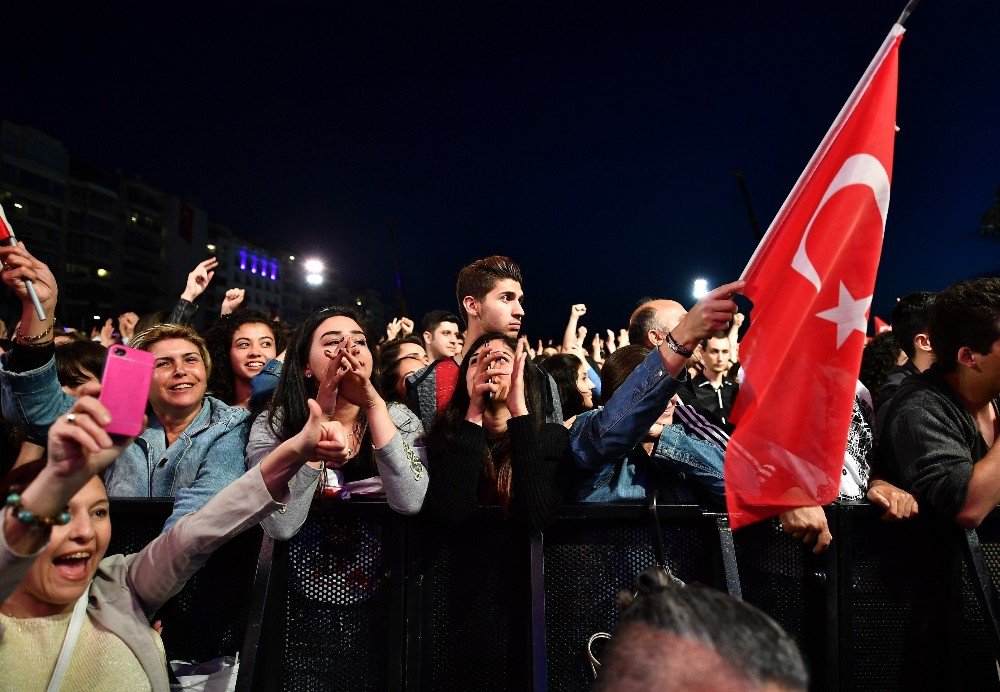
x,y
125,388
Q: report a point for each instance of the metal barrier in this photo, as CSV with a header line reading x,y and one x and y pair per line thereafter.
x,y
364,599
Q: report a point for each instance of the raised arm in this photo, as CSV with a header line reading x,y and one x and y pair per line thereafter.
x,y
78,449
569,341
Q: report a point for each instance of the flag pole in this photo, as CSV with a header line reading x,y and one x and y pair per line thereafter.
x,y
906,11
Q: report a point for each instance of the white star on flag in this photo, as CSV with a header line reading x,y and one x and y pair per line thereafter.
x,y
849,315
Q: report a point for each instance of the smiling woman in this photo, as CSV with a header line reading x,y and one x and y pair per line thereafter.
x,y
240,344
193,444
58,591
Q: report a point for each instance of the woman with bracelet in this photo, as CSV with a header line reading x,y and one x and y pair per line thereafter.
x,y
58,591
377,446
490,446
193,446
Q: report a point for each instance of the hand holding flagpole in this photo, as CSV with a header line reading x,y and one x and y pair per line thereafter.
x,y
7,236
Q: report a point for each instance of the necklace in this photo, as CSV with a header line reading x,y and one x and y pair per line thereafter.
x,y
358,434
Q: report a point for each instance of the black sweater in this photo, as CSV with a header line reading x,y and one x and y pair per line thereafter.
x,y
929,443
535,459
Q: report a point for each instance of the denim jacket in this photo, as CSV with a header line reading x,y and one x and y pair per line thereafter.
x,y
602,439
206,457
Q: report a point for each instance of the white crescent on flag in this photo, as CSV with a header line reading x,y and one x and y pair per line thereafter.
x,y
860,169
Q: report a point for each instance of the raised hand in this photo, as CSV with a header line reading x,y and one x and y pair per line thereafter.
x,y
485,387
327,393
107,334
199,279
126,324
392,329
709,315
232,300
622,337
578,310
355,387
516,403
406,325
20,266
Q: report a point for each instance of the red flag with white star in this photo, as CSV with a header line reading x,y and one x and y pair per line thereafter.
x,y
811,281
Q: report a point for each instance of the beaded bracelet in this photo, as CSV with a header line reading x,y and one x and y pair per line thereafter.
x,y
34,522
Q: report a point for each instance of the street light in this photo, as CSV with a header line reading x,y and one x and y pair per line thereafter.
x,y
700,289
313,266
314,279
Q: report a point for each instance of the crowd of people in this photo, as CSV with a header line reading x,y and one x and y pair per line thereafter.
x,y
251,421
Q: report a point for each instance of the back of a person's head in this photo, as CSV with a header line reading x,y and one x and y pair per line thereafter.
x,y
643,320
879,357
966,314
618,366
479,278
910,317
679,637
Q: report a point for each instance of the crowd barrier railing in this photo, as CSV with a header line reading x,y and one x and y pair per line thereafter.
x,y
365,599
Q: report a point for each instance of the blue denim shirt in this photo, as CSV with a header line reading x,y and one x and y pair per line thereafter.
x,y
601,439
693,461
208,455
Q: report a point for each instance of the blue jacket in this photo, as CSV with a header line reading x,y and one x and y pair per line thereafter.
x,y
602,439
208,455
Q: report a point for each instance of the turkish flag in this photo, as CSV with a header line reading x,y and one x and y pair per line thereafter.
x,y
5,229
881,325
811,281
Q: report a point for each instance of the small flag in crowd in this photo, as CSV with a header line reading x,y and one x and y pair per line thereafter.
x,y
811,281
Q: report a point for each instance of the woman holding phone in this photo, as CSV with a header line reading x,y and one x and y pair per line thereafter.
x,y
58,591
193,444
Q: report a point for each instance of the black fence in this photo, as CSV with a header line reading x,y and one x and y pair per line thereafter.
x,y
364,599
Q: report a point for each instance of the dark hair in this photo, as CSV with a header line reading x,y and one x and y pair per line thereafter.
x,y
479,278
388,352
219,339
76,356
435,317
909,318
721,334
564,368
878,358
288,411
619,365
753,649
965,314
390,362
495,478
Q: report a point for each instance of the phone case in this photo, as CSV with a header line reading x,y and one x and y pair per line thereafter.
x,y
125,388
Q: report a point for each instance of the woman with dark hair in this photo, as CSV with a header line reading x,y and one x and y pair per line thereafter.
x,y
240,344
576,389
375,447
490,446
79,362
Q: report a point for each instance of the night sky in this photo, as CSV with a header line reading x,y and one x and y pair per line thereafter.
x,y
593,142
